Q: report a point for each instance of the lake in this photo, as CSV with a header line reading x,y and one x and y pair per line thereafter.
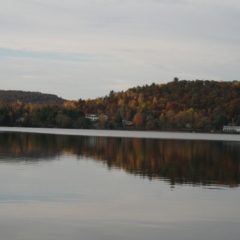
x,y
73,184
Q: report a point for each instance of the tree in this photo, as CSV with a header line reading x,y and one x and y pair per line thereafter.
x,y
150,122
138,120
238,121
204,122
162,120
170,114
63,121
180,119
102,121
111,93
220,120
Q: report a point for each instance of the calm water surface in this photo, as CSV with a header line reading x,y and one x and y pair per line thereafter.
x,y
74,187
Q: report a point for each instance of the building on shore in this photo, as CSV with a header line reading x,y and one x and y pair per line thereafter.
x,y
95,117
126,123
231,128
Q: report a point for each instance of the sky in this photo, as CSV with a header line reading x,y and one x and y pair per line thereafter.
x,y
84,49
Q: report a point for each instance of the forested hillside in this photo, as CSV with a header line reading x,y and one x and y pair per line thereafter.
x,y
29,97
178,104
184,105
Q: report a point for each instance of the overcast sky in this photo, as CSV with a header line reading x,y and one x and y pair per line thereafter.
x,y
84,49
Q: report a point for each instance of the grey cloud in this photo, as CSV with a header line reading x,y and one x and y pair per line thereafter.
x,y
125,43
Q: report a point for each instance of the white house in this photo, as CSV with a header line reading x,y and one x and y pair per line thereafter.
x,y
95,117
231,128
127,123
92,117
20,119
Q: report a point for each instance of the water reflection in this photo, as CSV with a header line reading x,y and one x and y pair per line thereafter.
x,y
176,161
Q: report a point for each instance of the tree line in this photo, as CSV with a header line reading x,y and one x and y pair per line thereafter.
x,y
42,115
200,105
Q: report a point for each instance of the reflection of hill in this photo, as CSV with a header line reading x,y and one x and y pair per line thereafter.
x,y
30,147
176,161
195,162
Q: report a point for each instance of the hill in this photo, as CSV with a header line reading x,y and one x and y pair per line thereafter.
x,y
178,104
29,97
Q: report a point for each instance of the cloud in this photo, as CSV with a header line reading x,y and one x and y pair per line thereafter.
x,y
76,46
49,56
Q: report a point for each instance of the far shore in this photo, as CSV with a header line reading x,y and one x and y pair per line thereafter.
x,y
127,134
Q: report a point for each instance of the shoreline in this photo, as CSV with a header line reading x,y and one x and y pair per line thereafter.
x,y
126,134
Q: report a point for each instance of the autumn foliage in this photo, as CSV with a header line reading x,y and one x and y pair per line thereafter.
x,y
178,104
199,105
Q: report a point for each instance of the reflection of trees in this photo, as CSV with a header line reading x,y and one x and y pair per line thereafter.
x,y
30,147
196,162
177,161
